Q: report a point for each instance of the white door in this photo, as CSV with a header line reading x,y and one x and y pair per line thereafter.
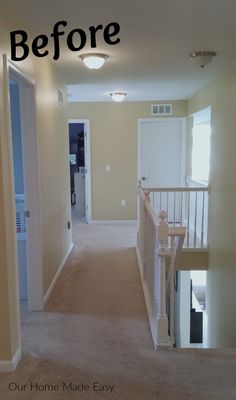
x,y
162,158
161,153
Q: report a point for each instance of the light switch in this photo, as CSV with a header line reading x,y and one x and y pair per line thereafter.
x,y
108,168
44,186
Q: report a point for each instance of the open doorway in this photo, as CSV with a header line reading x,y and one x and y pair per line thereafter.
x,y
23,152
17,150
80,171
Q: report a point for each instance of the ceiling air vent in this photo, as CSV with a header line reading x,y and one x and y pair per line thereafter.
x,y
60,97
161,109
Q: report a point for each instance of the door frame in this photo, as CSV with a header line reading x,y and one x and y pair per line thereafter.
x,y
183,144
87,160
34,246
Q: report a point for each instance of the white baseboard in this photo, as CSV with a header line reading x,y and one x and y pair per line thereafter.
x,y
51,287
10,366
115,222
151,318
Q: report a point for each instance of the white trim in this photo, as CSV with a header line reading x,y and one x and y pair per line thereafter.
x,y
115,222
51,287
19,72
88,196
151,318
155,325
10,366
183,149
195,182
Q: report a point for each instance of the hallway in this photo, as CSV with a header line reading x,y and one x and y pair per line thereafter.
x,y
95,329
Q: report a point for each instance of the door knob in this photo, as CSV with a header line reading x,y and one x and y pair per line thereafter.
x,y
143,178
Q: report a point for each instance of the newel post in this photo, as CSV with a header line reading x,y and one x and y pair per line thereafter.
x,y
162,320
147,195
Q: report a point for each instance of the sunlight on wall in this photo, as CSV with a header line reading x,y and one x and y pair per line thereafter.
x,y
201,151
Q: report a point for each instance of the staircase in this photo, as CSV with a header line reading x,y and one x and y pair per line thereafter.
x,y
172,235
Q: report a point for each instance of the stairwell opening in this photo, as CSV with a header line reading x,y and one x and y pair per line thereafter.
x,y
190,309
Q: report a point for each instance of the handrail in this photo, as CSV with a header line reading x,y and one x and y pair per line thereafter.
x,y
148,206
177,189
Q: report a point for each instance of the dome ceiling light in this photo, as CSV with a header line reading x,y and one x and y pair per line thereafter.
x,y
118,96
94,60
203,58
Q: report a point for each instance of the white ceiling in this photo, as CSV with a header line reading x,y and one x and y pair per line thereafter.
x,y
152,60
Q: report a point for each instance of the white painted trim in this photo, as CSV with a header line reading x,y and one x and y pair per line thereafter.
x,y
10,366
88,196
115,222
195,182
19,72
51,287
151,318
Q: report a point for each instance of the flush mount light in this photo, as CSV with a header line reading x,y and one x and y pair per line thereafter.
x,y
203,58
118,96
94,60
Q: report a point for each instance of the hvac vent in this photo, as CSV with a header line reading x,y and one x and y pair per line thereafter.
x,y
60,97
161,109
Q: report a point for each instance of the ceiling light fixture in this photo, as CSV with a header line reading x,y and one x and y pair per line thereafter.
x,y
203,58
94,60
118,96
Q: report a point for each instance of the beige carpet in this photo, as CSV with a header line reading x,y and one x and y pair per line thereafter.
x,y
94,332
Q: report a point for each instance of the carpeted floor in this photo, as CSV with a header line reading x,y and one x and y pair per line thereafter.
x,y
93,339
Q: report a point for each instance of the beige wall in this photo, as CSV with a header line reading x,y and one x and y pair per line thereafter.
x,y
114,141
52,137
221,96
54,171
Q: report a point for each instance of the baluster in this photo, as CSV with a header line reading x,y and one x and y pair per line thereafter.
x,y
162,236
181,208
174,206
145,246
171,288
188,222
203,211
167,201
195,221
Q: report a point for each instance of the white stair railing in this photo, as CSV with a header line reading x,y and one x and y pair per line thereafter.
x,y
185,206
153,255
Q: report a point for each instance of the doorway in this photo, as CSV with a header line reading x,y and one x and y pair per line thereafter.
x,y
20,107
17,150
80,169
